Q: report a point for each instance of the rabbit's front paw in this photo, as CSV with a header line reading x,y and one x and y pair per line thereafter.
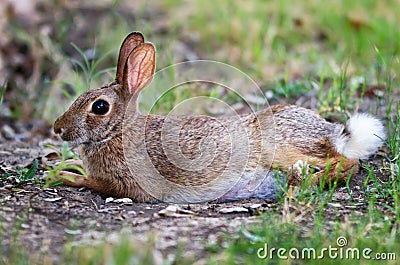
x,y
74,162
73,174
72,179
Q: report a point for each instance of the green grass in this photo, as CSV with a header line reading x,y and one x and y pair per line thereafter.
x,y
269,34
2,92
282,230
88,70
54,176
299,225
24,175
124,250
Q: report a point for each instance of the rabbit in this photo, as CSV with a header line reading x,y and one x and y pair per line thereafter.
x,y
150,157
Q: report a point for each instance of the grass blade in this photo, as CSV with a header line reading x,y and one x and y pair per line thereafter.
x,y
3,91
31,171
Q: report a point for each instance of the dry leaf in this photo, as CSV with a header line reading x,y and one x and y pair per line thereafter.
x,y
53,199
124,201
175,211
234,210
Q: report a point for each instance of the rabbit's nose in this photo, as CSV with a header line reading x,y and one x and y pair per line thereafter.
x,y
58,129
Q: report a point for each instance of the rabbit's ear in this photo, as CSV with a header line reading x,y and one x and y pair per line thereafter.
x,y
140,67
130,42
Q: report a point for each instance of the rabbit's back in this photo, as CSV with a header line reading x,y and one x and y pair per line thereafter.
x,y
194,150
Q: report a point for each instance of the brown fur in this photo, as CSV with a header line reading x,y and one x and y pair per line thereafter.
x,y
278,137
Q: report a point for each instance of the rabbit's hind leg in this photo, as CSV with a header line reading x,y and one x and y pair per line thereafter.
x,y
334,169
300,172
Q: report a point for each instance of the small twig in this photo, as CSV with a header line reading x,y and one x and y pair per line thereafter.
x,y
95,205
33,196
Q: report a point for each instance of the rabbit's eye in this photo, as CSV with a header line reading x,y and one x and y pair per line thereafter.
x,y
100,107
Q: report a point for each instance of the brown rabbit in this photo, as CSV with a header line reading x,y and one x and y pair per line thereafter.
x,y
200,158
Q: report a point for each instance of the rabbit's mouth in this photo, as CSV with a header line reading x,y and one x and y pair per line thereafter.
x,y
92,142
73,142
65,136
72,139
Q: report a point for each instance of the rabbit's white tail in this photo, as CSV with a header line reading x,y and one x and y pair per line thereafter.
x,y
361,137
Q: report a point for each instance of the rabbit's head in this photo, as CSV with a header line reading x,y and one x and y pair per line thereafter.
x,y
97,115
